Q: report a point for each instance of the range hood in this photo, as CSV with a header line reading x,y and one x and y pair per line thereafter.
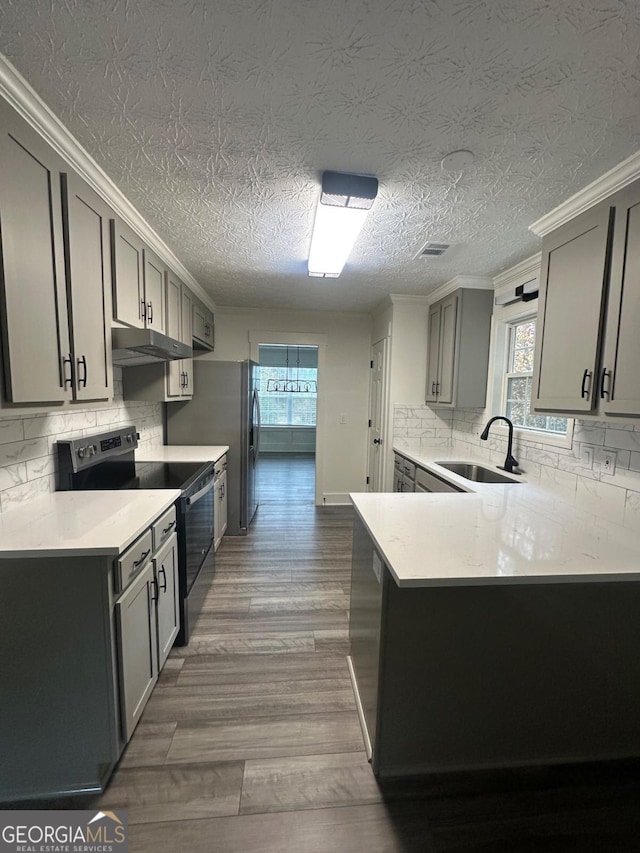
x,y
132,347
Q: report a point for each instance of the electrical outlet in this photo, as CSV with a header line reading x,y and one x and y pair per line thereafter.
x,y
609,462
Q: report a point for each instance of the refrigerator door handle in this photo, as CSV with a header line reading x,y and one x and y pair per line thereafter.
x,y
256,426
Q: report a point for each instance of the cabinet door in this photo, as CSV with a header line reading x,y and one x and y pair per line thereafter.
x,y
33,301
88,266
126,270
166,575
203,330
620,377
137,647
433,349
573,280
175,370
447,351
187,338
154,293
221,507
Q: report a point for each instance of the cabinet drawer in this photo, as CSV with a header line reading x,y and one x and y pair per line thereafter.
x,y
133,559
164,527
408,469
398,463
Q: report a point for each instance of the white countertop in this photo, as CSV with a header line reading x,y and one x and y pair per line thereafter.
x,y
183,453
492,533
81,523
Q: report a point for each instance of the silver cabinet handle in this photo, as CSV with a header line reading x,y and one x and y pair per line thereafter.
x,y
143,309
169,527
150,311
605,393
584,392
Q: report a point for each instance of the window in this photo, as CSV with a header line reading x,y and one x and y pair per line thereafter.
x,y
283,408
519,380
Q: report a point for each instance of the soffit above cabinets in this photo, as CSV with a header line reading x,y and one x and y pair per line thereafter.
x,y
217,120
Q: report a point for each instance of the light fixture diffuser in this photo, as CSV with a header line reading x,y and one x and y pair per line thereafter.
x,y
342,209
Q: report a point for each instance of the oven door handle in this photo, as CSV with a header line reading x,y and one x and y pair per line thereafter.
x,y
194,498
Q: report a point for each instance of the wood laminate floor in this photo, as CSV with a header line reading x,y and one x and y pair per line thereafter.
x,y
250,742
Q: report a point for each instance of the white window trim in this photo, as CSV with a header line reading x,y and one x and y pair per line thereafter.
x,y
504,317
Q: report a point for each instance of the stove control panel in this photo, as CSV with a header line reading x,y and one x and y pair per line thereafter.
x,y
82,453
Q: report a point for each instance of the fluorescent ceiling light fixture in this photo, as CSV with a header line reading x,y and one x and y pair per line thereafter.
x,y
342,209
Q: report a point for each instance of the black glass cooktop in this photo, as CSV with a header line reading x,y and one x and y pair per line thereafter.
x,y
141,475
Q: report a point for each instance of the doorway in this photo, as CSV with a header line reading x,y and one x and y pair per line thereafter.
x,y
258,338
287,382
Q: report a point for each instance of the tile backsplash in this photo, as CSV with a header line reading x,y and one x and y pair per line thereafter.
x,y
579,469
27,442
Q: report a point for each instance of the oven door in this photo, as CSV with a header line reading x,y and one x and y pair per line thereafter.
x,y
198,529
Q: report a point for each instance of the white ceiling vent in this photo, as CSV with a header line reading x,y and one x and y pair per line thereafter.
x,y
433,250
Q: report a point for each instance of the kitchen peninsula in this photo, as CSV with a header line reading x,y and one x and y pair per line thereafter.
x,y
493,627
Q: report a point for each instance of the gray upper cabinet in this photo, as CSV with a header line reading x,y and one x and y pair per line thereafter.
x,y
139,290
172,380
127,250
86,241
573,279
459,328
203,328
179,318
619,374
155,301
55,283
36,357
588,348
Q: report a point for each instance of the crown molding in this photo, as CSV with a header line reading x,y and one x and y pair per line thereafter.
x,y
399,298
615,179
26,101
470,282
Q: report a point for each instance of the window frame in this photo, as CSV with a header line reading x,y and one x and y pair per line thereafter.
x,y
264,396
504,318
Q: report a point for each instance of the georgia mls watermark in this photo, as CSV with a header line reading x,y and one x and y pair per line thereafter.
x,y
39,831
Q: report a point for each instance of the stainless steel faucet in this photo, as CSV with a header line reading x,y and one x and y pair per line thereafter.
x,y
510,462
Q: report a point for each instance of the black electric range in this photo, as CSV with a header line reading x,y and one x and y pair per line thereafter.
x,y
107,461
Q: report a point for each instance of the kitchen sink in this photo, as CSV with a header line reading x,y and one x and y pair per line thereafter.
x,y
477,473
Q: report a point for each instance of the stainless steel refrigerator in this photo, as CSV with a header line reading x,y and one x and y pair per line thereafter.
x,y
224,410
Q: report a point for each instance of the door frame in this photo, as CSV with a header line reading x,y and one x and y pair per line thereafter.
x,y
384,415
257,337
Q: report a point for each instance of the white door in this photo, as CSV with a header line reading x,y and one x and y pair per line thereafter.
x,y
376,416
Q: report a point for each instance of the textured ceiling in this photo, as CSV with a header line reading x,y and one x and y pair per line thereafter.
x,y
217,119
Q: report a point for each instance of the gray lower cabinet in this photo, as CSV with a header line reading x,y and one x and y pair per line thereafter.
x,y
459,328
220,501
55,292
587,346
137,622
84,640
469,677
147,625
